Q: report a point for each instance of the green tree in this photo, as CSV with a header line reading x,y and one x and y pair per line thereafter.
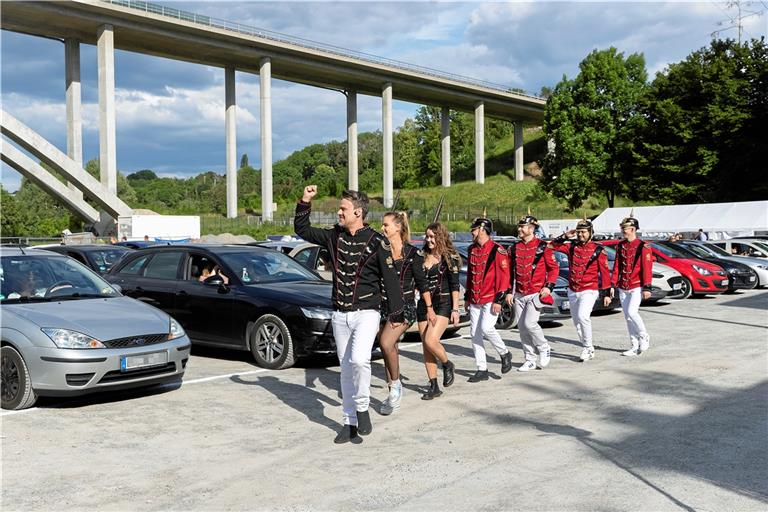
x,y
593,120
244,160
705,123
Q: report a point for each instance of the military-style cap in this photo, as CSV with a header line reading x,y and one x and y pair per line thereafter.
x,y
631,221
585,223
482,223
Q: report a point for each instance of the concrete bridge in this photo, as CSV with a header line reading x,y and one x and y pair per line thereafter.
x,y
166,32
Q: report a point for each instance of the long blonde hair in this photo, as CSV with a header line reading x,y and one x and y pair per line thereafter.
x,y
443,245
401,219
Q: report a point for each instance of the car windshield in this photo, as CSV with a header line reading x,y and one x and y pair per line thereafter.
x,y
717,251
562,259
762,246
700,251
27,278
668,251
104,259
266,266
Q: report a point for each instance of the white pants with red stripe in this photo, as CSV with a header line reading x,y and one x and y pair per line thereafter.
x,y
531,335
354,333
482,325
581,304
630,304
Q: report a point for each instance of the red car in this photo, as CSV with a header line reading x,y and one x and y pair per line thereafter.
x,y
699,277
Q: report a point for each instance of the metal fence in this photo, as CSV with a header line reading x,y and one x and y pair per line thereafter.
x,y
209,21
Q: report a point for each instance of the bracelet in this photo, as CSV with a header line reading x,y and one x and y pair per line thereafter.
x,y
429,306
454,311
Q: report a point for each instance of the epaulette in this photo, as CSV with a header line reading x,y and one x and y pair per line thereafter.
x,y
502,250
385,244
420,252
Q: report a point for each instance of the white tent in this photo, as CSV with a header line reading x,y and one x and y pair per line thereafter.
x,y
718,220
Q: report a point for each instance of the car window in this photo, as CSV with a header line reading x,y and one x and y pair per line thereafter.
x,y
717,250
104,260
164,265
78,257
668,252
134,268
698,251
28,277
303,256
255,267
324,261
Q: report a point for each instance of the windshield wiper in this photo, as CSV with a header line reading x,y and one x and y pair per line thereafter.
x,y
82,296
24,298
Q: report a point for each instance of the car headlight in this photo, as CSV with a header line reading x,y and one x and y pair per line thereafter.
x,y
317,313
175,330
702,270
64,338
733,270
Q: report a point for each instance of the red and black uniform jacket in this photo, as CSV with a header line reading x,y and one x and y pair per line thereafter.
x,y
533,267
587,265
487,273
634,266
361,263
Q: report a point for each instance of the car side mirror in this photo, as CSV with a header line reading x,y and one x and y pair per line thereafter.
x,y
214,280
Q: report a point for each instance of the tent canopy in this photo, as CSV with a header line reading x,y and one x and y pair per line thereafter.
x,y
744,218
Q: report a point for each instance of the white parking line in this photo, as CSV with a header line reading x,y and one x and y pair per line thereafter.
x,y
195,381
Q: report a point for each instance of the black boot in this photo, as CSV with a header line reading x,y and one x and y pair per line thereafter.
x,y
348,434
506,362
448,376
433,391
479,375
364,426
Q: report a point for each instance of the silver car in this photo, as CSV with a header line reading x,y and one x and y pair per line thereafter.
x,y
66,331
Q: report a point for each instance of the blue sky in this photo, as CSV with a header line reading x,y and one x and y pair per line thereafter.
x,y
170,115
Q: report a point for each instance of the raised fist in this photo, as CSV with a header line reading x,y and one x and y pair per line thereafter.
x,y
310,191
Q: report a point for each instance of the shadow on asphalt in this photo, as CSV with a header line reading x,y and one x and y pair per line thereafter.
x,y
106,396
301,398
722,442
704,319
752,301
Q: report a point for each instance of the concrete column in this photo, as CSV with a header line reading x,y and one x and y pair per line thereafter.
x,y
107,143
386,132
230,131
480,142
518,151
74,111
352,140
265,74
445,144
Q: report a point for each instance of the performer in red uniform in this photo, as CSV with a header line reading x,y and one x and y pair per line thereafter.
x,y
487,279
533,274
632,275
588,278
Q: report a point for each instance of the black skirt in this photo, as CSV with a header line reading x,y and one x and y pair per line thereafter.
x,y
441,309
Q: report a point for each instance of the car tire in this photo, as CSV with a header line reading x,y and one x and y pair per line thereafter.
x,y
17,392
686,290
506,318
271,343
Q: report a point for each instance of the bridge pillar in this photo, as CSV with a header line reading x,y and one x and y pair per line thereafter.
x,y
352,183
445,144
265,88
107,144
230,137
480,142
386,132
518,151
74,114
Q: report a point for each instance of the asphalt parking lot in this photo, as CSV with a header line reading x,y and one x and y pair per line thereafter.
x,y
684,426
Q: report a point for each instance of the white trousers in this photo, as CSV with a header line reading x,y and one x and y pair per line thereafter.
x,y
581,313
355,332
531,335
482,325
630,304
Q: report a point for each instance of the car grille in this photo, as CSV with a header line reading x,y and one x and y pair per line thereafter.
x,y
136,341
79,379
117,375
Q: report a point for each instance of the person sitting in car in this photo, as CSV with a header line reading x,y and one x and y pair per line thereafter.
x,y
210,270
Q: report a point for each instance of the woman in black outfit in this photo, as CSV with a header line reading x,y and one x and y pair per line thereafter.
x,y
440,305
410,269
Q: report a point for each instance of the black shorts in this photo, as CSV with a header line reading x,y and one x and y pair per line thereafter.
x,y
441,309
409,313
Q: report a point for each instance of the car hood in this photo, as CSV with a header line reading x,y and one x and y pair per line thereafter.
x,y
746,260
300,293
104,319
663,269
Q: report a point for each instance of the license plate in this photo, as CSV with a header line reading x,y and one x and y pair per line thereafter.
x,y
751,278
565,305
677,286
725,282
128,363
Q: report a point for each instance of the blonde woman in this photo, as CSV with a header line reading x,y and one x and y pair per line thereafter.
x,y
409,265
439,305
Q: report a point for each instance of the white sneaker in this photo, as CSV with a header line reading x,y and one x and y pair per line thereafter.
x,y
544,357
527,366
586,354
392,402
645,344
630,353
